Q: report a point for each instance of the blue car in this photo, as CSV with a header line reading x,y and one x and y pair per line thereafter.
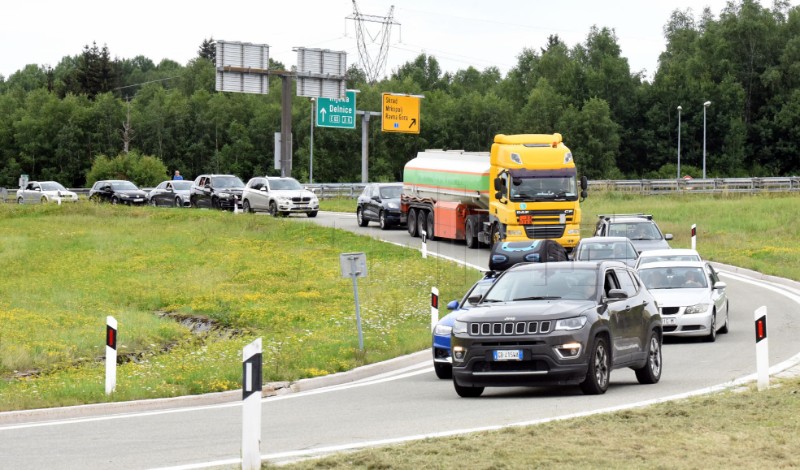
x,y
442,363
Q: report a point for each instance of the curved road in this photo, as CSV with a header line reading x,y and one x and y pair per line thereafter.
x,y
402,404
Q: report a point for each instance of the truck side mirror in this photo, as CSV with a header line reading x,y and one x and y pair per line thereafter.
x,y
499,184
584,183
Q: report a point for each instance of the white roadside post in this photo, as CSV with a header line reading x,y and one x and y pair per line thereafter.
x,y
111,354
434,307
694,236
762,348
251,406
424,236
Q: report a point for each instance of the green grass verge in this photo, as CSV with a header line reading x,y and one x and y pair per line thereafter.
x,y
339,204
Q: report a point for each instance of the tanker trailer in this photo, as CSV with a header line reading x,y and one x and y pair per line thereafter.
x,y
525,188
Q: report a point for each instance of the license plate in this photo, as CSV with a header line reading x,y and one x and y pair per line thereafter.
x,y
508,355
138,199
668,321
526,219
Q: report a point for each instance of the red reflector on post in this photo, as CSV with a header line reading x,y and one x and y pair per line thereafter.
x,y
111,337
434,301
761,328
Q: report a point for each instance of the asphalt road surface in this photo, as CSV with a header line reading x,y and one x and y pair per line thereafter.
x,y
403,404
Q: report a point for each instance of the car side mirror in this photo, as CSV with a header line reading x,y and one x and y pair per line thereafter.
x,y
668,236
37,189
376,198
263,188
617,294
475,299
452,305
719,285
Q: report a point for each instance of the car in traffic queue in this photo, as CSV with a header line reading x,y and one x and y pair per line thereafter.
x,y
216,192
170,193
380,202
558,324
506,254
672,254
42,192
279,196
692,299
442,362
606,248
641,229
117,192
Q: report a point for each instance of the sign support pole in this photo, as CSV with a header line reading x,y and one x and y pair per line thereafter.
x,y
251,406
111,354
762,348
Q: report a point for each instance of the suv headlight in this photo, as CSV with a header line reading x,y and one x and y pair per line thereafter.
x,y
442,330
697,308
393,205
224,195
574,323
460,327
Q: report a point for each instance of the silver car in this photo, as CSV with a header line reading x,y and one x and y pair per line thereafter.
x,y
692,299
170,193
36,192
278,196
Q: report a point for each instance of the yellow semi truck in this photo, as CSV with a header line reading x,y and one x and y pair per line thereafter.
x,y
525,188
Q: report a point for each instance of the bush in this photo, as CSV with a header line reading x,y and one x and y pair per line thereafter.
x,y
143,170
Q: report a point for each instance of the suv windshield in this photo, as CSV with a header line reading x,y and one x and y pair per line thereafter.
x,y
284,184
391,192
635,230
544,283
226,182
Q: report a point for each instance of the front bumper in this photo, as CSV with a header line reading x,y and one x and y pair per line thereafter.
x,y
540,364
682,324
441,349
291,206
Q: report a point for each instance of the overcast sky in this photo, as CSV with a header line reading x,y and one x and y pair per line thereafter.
x,y
458,33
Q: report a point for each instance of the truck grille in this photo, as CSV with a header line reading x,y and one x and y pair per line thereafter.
x,y
544,231
509,328
552,216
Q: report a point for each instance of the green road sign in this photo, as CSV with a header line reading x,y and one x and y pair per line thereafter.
x,y
337,113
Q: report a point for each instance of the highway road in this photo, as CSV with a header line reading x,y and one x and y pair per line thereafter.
x,y
403,404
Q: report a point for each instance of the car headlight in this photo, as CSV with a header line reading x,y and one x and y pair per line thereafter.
x,y
574,323
393,205
459,327
697,308
442,330
283,199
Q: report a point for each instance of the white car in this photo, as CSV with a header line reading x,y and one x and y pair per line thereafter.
x,y
674,254
278,196
690,296
36,192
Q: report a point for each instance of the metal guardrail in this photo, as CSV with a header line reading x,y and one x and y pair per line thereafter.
x,y
709,185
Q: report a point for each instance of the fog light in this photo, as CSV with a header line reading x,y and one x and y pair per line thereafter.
x,y
515,233
459,352
568,350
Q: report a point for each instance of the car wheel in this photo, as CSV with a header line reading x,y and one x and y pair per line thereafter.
x,y
114,200
724,328
192,202
443,371
215,203
153,203
650,373
19,200
362,222
471,236
273,209
412,222
382,221
596,382
43,200
467,392
246,206
312,214
178,202
712,335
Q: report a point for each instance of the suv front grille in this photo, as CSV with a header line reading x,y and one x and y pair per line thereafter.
x,y
301,199
544,231
509,328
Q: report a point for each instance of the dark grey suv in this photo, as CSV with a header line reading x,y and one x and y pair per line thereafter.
x,y
566,323
216,191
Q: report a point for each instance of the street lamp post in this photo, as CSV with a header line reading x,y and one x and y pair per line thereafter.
x,y
705,105
311,147
679,142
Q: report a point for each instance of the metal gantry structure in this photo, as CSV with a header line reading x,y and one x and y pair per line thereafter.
x,y
373,66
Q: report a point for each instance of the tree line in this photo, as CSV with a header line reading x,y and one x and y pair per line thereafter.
x,y
56,122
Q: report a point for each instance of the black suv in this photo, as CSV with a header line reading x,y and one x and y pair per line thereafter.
x,y
216,191
558,324
117,192
641,229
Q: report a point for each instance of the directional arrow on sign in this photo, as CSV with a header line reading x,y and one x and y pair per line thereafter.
x,y
413,121
322,112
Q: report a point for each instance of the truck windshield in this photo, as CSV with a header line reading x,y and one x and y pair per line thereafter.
x,y
558,188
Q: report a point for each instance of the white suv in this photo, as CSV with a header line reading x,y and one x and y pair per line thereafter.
x,y
278,196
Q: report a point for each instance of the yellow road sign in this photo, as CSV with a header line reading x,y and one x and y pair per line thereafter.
x,y
400,113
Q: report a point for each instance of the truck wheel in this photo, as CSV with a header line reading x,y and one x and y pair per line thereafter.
x,y
599,371
471,236
421,219
429,226
412,222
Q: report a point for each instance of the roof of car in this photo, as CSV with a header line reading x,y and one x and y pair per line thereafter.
x,y
566,265
671,252
603,239
673,264
626,217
